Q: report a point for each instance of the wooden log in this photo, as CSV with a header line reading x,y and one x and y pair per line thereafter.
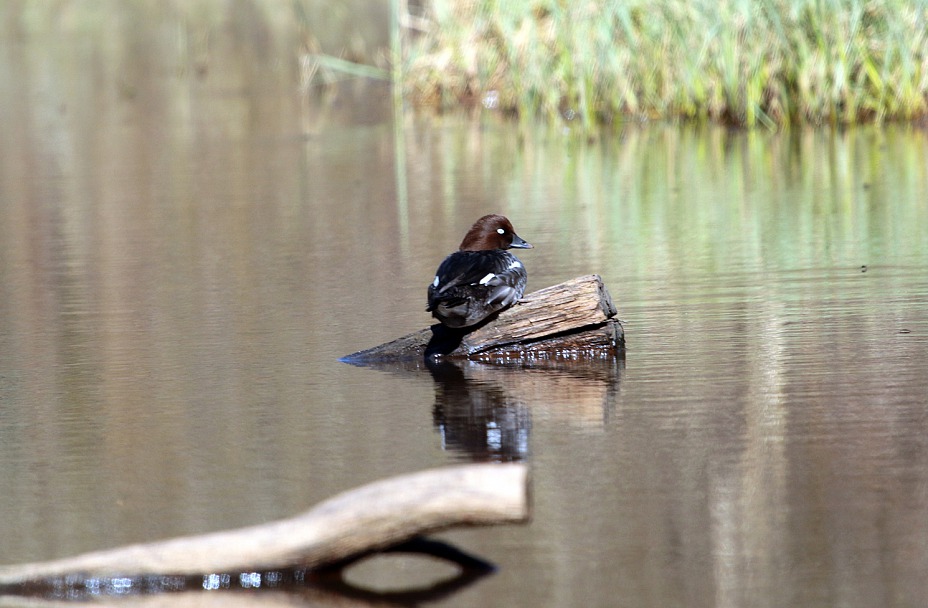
x,y
372,517
577,316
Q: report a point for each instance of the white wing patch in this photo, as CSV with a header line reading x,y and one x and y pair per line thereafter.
x,y
490,276
435,282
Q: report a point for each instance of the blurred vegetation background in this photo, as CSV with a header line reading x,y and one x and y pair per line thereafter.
x,y
770,63
737,61
353,29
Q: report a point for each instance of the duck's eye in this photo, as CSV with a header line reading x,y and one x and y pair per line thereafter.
x,y
500,231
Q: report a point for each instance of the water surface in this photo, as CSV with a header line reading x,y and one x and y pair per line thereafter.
x,y
185,255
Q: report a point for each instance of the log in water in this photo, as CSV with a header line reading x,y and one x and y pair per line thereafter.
x,y
574,317
375,516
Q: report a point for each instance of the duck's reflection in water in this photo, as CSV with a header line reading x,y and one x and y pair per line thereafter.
x,y
479,417
485,409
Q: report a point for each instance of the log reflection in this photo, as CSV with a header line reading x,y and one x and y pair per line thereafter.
x,y
485,411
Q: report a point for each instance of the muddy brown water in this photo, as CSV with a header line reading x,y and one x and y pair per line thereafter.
x,y
185,256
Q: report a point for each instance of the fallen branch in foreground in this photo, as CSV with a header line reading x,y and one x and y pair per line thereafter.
x,y
376,516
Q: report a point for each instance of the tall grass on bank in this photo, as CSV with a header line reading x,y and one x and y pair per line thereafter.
x,y
771,63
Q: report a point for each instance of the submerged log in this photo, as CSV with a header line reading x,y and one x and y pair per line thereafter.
x,y
574,317
375,516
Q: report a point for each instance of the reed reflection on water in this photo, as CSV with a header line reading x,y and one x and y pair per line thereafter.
x,y
184,255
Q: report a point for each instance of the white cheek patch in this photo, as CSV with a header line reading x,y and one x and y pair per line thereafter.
x,y
490,276
435,282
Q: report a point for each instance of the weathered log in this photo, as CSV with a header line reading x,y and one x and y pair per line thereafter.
x,y
574,317
375,516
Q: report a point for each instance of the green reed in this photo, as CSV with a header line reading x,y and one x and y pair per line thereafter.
x,y
769,63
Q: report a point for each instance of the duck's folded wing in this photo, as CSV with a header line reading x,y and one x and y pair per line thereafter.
x,y
506,287
474,268
507,270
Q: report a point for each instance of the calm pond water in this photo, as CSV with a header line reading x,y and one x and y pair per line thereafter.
x,y
184,256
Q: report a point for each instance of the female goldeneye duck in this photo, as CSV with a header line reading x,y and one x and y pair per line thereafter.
x,y
482,277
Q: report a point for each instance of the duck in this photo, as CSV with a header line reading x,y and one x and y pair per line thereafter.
x,y
481,278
